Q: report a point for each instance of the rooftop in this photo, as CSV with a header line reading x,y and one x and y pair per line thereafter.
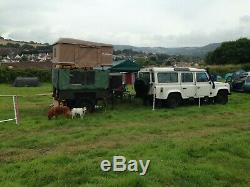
x,y
80,42
162,69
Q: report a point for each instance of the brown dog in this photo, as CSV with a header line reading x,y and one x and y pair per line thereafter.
x,y
59,110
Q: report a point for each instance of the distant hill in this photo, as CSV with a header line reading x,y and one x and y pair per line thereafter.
x,y
4,41
12,48
187,51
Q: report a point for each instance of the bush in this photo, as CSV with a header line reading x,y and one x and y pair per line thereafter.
x,y
9,75
246,67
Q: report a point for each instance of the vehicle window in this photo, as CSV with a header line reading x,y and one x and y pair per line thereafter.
x,y
187,77
248,79
84,78
201,77
144,76
90,78
170,77
76,77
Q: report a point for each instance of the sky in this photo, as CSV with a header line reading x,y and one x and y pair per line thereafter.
x,y
149,23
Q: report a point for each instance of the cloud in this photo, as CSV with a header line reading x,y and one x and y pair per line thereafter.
x,y
245,19
142,23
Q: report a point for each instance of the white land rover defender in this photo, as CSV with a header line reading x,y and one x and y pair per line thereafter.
x,y
173,85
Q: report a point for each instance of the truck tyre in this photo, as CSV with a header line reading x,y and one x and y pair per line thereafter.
x,y
221,98
88,103
173,100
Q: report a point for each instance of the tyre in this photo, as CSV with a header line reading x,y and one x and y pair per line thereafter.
x,y
221,98
88,103
173,100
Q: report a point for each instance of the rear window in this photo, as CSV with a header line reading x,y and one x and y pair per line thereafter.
x,y
84,78
170,77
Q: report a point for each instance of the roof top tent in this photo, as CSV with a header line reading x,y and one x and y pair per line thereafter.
x,y
82,53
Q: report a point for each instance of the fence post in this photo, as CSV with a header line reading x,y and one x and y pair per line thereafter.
x,y
16,111
154,95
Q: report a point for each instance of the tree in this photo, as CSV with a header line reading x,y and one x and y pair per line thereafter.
x,y
27,46
233,52
13,45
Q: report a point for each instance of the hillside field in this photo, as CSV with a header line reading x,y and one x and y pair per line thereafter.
x,y
187,146
6,41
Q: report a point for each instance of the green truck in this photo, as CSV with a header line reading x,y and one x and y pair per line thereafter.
x,y
79,87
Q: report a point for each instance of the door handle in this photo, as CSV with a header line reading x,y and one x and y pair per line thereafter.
x,y
184,88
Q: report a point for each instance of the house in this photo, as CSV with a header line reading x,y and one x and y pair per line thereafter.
x,y
17,57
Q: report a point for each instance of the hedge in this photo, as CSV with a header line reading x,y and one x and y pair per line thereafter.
x,y
230,68
9,75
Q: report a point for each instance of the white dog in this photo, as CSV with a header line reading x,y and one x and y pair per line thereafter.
x,y
78,111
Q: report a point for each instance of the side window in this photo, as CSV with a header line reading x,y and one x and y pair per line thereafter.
x,y
187,77
90,78
84,78
201,77
170,77
76,77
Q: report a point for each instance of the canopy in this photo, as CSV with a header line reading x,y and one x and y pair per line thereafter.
x,y
126,66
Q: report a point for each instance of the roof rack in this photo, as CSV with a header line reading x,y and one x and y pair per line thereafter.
x,y
181,69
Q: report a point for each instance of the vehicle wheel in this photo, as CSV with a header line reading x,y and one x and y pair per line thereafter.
x,y
173,100
88,103
221,98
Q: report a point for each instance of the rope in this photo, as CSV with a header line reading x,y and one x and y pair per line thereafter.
x,y
42,94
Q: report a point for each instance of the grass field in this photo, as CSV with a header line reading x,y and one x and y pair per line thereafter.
x,y
187,146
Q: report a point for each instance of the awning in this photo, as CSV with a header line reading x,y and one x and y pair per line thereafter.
x,y
126,66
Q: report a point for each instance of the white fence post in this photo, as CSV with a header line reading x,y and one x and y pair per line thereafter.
x,y
154,93
16,109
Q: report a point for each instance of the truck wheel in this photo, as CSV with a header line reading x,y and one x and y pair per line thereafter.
x,y
90,106
88,103
173,100
221,98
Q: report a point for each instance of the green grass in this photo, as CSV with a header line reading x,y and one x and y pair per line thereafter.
x,y
187,146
